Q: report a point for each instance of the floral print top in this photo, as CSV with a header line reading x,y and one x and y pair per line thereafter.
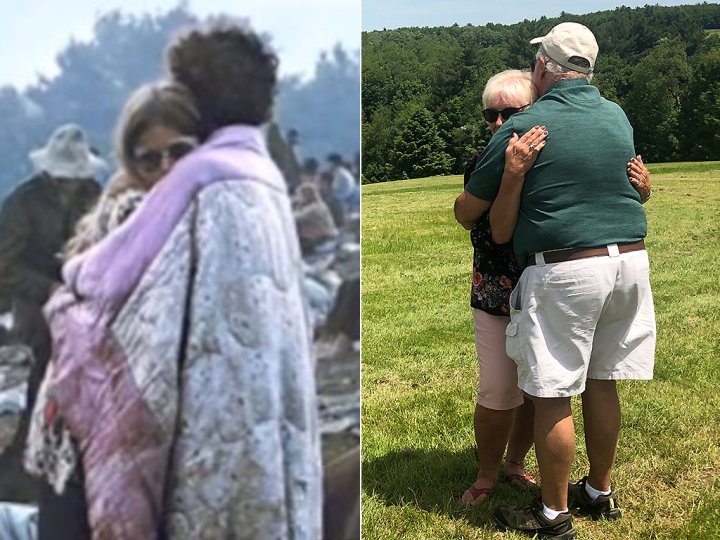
x,y
495,270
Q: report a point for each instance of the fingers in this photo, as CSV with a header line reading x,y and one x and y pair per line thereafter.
x,y
639,162
534,136
511,150
636,170
523,151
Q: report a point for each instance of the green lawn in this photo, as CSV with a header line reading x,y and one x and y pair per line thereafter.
x,y
419,370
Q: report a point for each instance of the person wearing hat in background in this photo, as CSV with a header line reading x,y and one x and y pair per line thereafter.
x,y
36,220
344,188
582,314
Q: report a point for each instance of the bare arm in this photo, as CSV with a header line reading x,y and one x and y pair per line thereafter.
x,y
520,156
468,209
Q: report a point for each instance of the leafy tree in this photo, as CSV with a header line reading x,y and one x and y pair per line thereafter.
x,y
653,104
325,109
419,150
700,112
654,61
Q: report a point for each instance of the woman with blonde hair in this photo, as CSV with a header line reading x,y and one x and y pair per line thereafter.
x,y
503,419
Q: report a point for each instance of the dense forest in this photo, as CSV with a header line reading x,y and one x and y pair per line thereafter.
x,y
127,51
422,87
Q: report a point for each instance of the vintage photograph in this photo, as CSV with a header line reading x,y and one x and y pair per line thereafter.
x,y
180,270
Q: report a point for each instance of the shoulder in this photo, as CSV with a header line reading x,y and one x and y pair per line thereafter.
x,y
612,106
29,187
25,195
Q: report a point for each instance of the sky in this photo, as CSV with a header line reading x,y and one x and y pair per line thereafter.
x,y
33,32
379,14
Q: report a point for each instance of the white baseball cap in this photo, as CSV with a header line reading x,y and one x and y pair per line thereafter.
x,y
570,39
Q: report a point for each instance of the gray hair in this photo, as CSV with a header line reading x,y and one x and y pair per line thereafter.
x,y
511,83
561,72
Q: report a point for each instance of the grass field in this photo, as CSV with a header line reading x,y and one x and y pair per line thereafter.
x,y
419,370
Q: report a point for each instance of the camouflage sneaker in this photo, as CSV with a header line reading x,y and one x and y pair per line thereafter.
x,y
604,507
531,520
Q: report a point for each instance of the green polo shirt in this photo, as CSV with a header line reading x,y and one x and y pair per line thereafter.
x,y
577,194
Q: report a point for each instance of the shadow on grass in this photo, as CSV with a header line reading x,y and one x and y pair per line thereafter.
x,y
434,481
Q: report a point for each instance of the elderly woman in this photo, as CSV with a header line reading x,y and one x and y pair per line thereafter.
x,y
503,419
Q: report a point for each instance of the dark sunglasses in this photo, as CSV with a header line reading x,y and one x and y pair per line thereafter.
x,y
491,115
532,65
150,161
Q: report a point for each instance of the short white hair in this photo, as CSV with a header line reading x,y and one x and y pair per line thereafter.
x,y
510,84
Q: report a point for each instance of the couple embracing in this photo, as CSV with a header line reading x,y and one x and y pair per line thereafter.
x,y
179,400
560,180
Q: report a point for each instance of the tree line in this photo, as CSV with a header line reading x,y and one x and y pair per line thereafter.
x,y
422,87
126,51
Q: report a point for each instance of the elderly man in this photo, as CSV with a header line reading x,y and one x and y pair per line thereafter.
x,y
582,313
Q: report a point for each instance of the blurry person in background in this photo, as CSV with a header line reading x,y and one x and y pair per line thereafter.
x,y
344,187
325,184
284,156
309,171
314,221
36,220
293,141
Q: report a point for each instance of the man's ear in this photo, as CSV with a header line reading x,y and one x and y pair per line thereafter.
x,y
544,72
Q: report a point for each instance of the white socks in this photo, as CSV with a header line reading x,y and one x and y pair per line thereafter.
x,y
552,514
594,493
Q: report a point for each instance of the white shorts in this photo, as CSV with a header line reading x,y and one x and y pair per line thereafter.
x,y
589,318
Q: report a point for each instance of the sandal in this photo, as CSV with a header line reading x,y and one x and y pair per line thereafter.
x,y
523,480
476,495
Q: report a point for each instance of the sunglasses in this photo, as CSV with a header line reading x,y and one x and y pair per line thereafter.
x,y
491,115
149,161
532,65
